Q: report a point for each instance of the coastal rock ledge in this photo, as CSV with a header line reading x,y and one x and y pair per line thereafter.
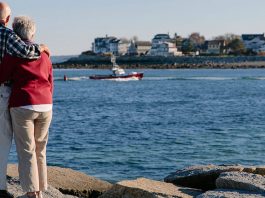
x,y
16,191
146,188
200,177
62,182
224,181
207,181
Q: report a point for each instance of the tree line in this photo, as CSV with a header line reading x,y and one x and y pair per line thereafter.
x,y
196,42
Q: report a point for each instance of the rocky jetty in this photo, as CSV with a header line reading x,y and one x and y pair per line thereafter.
x,y
145,188
66,181
225,181
230,194
206,181
15,190
149,62
201,177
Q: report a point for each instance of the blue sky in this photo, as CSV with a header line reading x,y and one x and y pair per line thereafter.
x,y
69,27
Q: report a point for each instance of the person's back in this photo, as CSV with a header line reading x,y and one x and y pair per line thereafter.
x,y
31,110
32,81
12,44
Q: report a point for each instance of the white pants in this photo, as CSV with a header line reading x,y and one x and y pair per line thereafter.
x,y
6,134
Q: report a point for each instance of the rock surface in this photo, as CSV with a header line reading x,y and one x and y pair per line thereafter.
x,y
250,169
200,177
145,188
230,194
71,182
241,181
260,170
15,189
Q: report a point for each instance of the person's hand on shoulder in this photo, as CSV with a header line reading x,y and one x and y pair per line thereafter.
x,y
44,48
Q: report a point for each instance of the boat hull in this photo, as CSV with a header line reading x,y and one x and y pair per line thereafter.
x,y
133,76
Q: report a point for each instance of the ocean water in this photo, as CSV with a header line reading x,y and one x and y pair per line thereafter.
x,y
149,128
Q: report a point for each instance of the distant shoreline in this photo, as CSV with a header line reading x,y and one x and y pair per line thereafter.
x,y
183,62
239,65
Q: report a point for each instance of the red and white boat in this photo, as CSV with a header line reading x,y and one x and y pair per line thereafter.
x,y
118,74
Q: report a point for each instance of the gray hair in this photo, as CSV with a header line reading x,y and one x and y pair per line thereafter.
x,y
24,26
5,11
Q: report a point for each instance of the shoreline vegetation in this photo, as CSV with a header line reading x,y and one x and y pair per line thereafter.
x,y
183,62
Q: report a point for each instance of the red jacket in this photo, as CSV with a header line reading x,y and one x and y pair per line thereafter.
x,y
32,80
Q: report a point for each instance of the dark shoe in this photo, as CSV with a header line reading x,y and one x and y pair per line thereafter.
x,y
5,194
32,196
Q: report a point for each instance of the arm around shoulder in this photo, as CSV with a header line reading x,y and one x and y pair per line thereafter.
x,y
17,47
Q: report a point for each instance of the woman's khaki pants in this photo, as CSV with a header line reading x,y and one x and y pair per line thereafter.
x,y
31,136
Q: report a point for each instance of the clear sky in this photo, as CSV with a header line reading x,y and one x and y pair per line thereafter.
x,y
69,27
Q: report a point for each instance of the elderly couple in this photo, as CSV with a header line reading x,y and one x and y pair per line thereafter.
x,y
25,103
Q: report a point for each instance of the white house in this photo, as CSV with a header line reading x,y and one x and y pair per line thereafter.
x,y
102,45
254,42
119,47
139,48
112,45
163,45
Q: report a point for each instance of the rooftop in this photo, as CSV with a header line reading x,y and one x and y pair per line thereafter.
x,y
247,37
158,36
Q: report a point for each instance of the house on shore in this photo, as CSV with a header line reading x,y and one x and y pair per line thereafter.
x,y
254,42
215,47
163,45
119,47
110,45
139,48
101,45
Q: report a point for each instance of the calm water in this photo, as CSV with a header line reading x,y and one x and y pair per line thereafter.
x,y
171,119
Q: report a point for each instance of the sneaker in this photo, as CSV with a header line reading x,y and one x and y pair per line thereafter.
x,y
5,194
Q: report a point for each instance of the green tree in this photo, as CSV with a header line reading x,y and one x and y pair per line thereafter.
x,y
187,46
236,46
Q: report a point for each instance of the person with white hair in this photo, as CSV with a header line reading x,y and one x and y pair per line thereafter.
x,y
30,106
10,43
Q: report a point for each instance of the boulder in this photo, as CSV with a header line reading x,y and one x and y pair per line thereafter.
x,y
250,169
231,194
146,188
15,189
260,170
200,177
71,182
241,181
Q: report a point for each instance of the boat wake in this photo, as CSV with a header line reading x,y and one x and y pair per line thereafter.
x,y
191,78
77,78
122,79
208,78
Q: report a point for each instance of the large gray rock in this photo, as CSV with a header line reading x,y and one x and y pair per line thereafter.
x,y
145,188
15,189
230,194
200,177
241,181
70,182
